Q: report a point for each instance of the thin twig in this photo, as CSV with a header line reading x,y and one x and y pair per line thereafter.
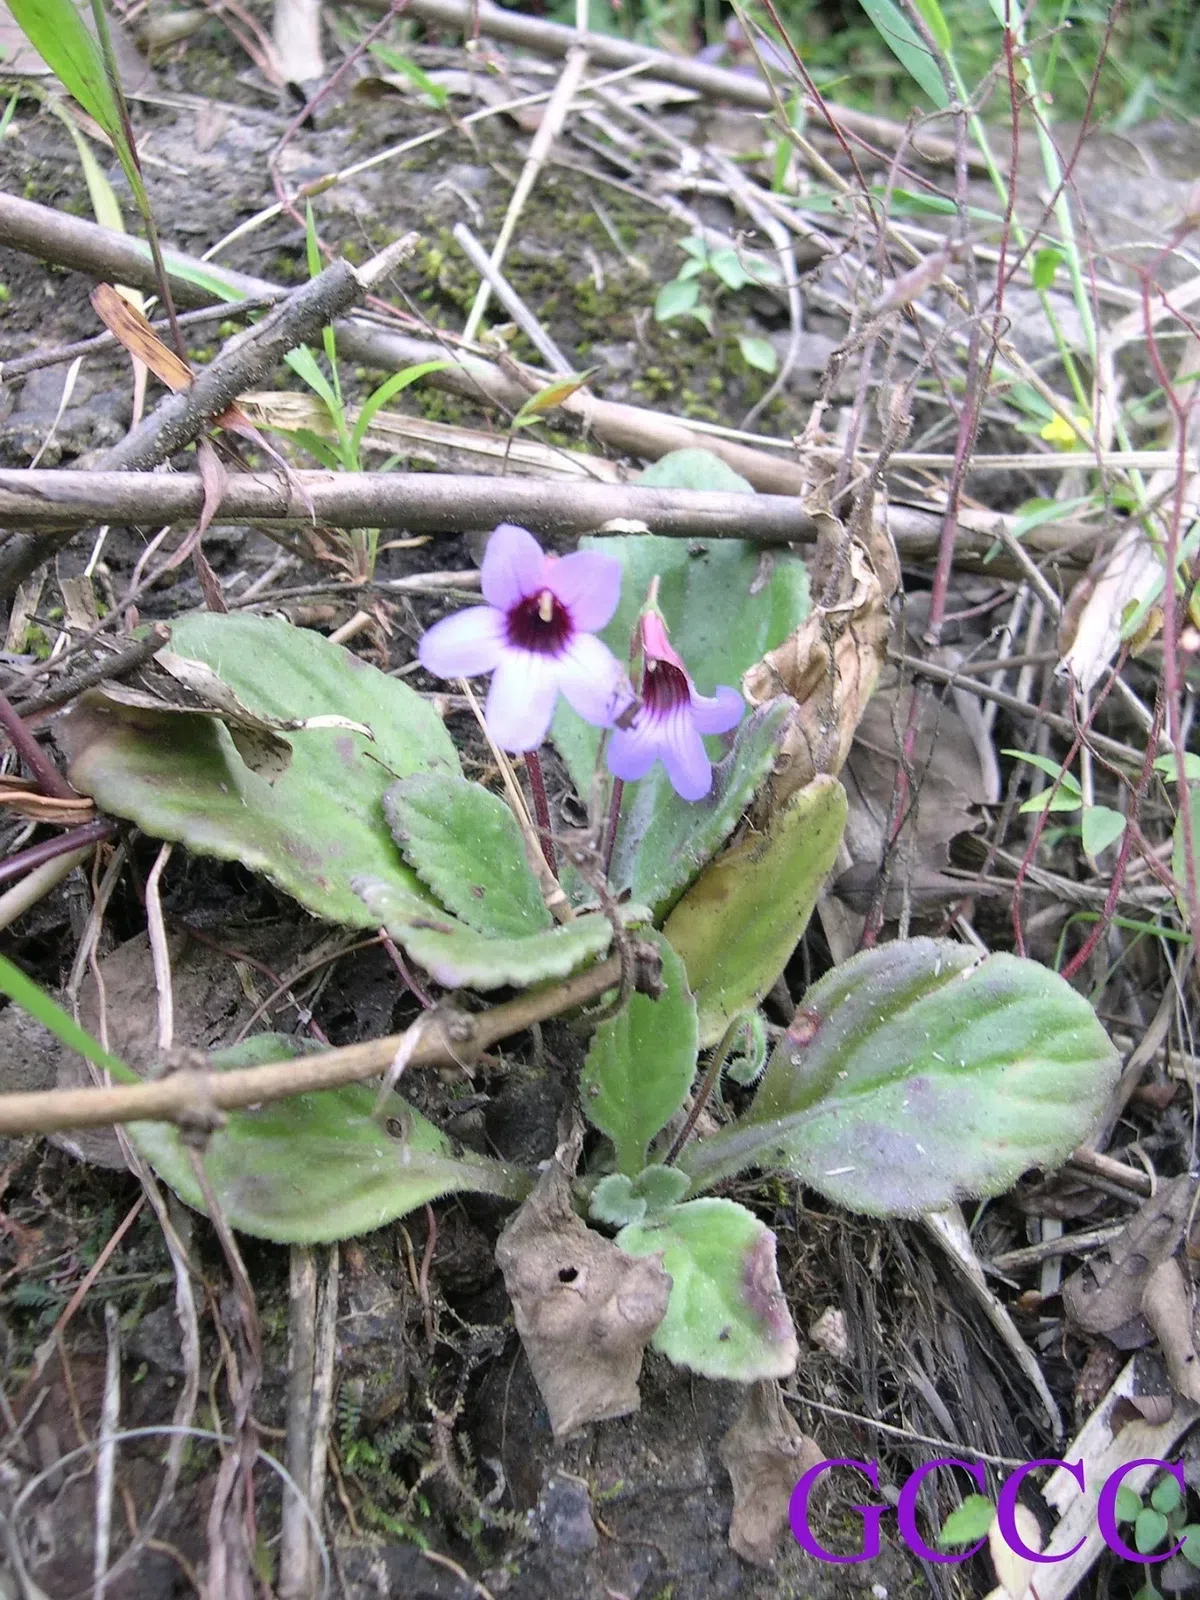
x,y
69,843
175,1097
49,779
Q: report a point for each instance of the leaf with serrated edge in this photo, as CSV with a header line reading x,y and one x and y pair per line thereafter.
x,y
737,925
640,1065
320,1166
919,1073
727,1317
321,822
466,845
459,958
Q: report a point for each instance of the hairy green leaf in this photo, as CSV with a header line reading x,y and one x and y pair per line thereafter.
x,y
466,845
457,957
321,822
918,1073
320,1166
737,925
641,1064
727,1317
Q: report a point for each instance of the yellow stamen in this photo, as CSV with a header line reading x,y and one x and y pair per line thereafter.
x,y
546,606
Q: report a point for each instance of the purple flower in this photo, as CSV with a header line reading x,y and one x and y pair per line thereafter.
x,y
536,635
670,718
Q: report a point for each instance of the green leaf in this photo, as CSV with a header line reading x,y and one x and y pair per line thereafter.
x,y
935,21
394,61
1101,827
910,50
661,1187
694,469
967,1523
466,845
663,841
922,1073
1191,1543
320,1166
388,390
1045,267
1191,798
1166,1496
321,822
728,265
758,353
23,992
1149,1531
1053,769
737,925
1129,1504
726,1317
457,957
57,32
1050,800
614,1201
619,1200
1169,766
641,1064
675,298
749,1054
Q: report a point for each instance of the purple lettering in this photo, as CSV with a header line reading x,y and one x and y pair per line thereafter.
x,y
1106,1510
871,1515
1006,1507
907,1506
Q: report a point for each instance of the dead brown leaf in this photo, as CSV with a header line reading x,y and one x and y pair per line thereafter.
x,y
584,1309
829,667
764,1453
1107,1292
21,795
1167,1307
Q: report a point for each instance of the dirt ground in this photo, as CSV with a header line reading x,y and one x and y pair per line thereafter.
x,y
444,1475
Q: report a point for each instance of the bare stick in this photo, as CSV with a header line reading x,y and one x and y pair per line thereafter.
x,y
548,130
555,39
110,1417
510,300
70,843
109,667
294,1583
445,1044
422,502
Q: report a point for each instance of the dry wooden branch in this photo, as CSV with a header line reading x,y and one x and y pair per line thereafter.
x,y
422,502
442,1042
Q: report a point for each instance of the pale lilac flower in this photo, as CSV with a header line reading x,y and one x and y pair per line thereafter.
x,y
668,722
535,635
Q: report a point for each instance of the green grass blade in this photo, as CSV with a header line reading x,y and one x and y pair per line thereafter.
x,y
902,39
56,31
23,992
387,391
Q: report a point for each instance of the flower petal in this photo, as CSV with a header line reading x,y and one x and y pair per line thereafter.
x,y
684,756
633,751
589,585
514,566
720,713
464,644
521,700
593,680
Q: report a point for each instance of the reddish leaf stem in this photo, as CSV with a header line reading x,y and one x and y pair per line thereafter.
x,y
541,808
74,839
49,779
614,818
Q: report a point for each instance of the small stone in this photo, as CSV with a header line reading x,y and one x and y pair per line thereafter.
x,y
828,1333
564,1515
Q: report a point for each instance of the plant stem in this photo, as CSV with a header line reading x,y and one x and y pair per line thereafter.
x,y
614,818
75,839
541,808
707,1084
49,779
